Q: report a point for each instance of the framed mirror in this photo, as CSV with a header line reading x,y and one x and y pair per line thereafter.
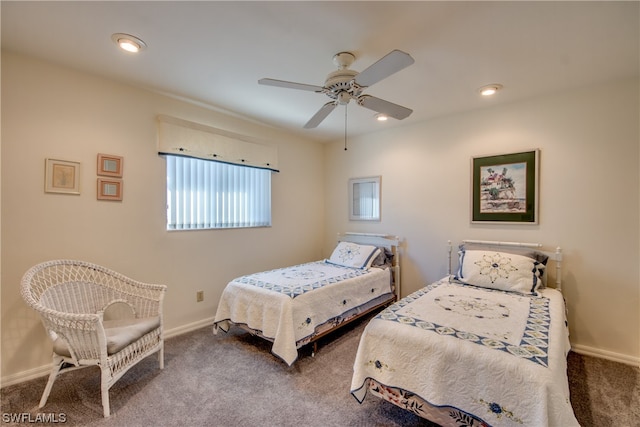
x,y
364,199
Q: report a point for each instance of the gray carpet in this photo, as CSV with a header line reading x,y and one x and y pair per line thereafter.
x,y
233,380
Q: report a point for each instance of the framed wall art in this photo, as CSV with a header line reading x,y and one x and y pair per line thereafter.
x,y
61,176
504,188
109,189
364,199
109,165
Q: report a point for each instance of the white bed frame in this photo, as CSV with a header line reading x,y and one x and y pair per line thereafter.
x,y
556,255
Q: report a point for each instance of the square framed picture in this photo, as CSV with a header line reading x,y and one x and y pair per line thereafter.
x,y
61,176
109,165
504,188
109,189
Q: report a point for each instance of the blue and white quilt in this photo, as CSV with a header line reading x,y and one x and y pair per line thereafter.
x,y
496,355
287,304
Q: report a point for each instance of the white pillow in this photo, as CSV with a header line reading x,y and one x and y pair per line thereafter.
x,y
500,270
353,255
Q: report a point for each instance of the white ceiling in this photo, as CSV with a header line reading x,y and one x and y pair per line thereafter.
x,y
214,52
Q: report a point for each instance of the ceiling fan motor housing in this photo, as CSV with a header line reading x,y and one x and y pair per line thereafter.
x,y
340,85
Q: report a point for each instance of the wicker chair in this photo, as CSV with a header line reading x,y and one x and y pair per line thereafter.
x,y
71,298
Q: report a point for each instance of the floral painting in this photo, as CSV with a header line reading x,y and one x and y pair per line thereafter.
x,y
505,188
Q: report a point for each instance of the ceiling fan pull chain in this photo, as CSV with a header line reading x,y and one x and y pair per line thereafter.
x,y
345,127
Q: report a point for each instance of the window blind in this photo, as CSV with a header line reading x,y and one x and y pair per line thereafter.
x,y
208,194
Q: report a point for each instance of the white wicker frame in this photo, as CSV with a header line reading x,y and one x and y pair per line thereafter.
x,y
71,297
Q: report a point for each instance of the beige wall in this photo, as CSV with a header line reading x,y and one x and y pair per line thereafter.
x,y
589,198
52,112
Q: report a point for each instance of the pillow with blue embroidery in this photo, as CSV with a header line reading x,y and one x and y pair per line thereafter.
x,y
500,270
518,250
524,251
349,254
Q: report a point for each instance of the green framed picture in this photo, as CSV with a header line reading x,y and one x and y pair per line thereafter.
x,y
504,188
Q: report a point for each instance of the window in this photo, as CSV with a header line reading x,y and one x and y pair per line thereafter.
x,y
205,194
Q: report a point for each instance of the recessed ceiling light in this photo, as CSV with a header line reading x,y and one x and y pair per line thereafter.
x,y
128,42
489,90
381,117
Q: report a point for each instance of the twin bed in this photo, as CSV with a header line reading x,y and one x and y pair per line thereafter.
x,y
485,346
296,306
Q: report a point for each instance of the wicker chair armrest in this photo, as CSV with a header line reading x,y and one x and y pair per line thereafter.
x,y
83,335
153,290
89,318
139,289
146,299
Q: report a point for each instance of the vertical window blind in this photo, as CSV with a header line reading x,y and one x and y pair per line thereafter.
x,y
208,194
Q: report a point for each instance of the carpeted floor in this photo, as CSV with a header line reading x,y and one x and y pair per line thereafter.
x,y
233,380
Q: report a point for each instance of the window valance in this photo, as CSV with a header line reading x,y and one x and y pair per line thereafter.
x,y
184,138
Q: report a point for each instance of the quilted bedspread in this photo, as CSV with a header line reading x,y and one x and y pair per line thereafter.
x,y
287,304
498,356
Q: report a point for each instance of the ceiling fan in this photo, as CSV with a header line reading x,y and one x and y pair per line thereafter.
x,y
345,84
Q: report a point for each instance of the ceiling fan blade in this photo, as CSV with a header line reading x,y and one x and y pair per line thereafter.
x,y
322,113
391,63
290,85
385,107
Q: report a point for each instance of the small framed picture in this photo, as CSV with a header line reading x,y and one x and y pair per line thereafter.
x,y
61,176
109,165
504,188
109,189
364,199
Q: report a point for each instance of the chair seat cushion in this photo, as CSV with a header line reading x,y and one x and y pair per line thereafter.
x,y
120,333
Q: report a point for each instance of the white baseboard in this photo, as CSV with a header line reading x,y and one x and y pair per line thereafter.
x,y
44,370
27,375
188,328
604,354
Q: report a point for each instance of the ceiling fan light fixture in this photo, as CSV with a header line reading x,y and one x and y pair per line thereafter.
x,y
381,117
128,42
491,89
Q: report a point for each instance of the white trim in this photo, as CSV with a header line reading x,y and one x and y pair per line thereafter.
x,y
29,374
174,332
605,354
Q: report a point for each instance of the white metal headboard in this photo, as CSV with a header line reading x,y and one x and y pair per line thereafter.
x,y
381,240
556,255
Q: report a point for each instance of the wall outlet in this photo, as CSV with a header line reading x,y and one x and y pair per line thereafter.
x,y
199,296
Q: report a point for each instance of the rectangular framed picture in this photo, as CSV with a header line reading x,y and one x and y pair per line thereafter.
x,y
61,176
504,188
109,189
109,165
364,199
